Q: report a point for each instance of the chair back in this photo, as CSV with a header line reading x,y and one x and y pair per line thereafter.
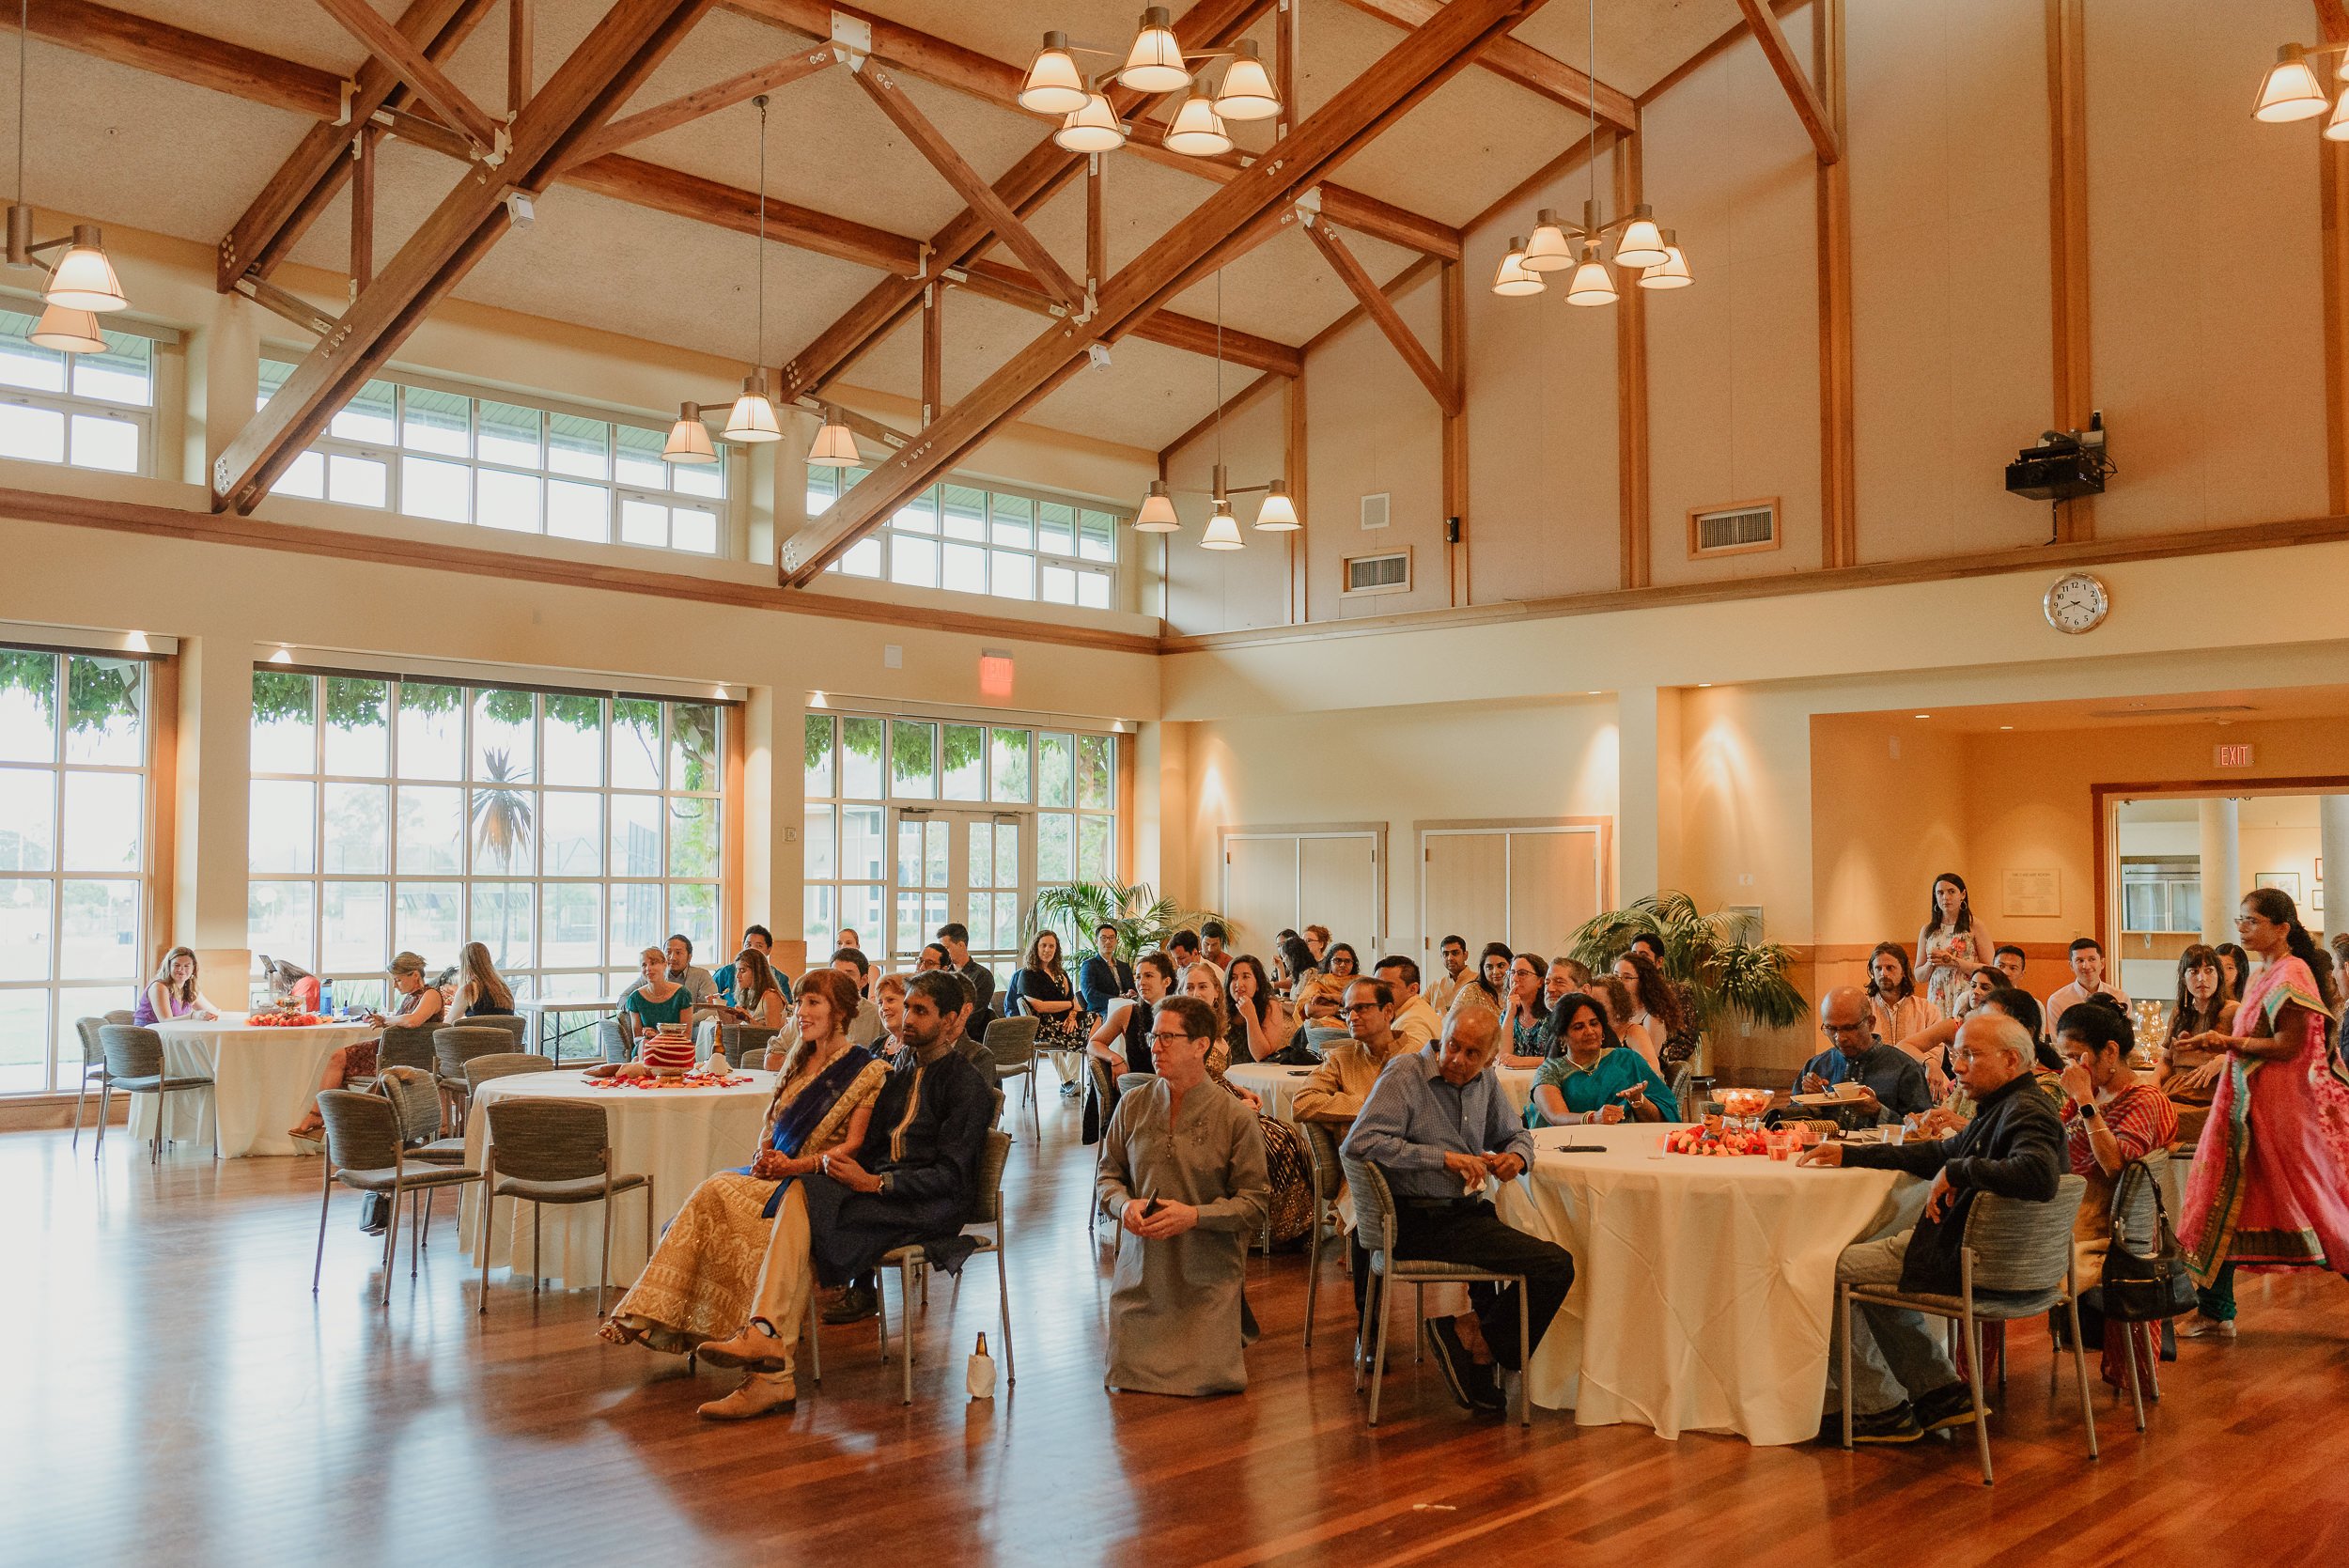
x,y
999,1103
93,1049
1374,1204
1321,1156
406,1048
513,1023
131,1051
362,1130
505,1063
746,1044
122,1015
416,1097
2021,1246
548,1141
457,1044
2137,1203
987,1201
1104,1082
1012,1041
610,1041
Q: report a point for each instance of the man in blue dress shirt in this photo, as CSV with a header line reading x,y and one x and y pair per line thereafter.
x,y
1437,1124
1892,1081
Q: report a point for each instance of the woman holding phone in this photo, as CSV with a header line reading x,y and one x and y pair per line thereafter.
x,y
1594,1078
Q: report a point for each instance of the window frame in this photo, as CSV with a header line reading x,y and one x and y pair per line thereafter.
x,y
879,547
144,417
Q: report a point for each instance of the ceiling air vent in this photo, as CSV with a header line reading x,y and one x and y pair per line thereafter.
x,y
1379,574
1375,510
1734,529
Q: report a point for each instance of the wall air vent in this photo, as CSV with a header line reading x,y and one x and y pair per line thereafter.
x,y
1379,574
1375,510
1733,529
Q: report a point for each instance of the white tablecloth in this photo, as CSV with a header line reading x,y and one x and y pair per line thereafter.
x,y
1704,1288
263,1082
1277,1086
676,1136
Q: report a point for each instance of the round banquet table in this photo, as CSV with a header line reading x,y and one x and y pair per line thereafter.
x,y
1704,1288
1277,1086
263,1082
676,1136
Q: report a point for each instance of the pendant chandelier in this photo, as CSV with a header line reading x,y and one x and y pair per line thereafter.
x,y
81,282
2294,90
1276,514
1555,245
1156,63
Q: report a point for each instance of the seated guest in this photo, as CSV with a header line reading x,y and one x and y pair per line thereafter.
x,y
1121,1038
1294,960
1257,1023
1565,976
680,969
1453,950
1341,962
912,1177
1183,1176
1525,1015
1335,1092
653,1000
2088,979
1415,1020
1931,1043
286,979
758,940
172,992
1660,1029
1904,1385
2110,1118
703,1282
1891,1083
2010,961
1896,1009
1594,1077
865,1027
1320,1008
415,1005
1104,976
754,994
931,957
2200,1022
481,991
1212,935
1617,1001
1182,947
1438,1126
889,995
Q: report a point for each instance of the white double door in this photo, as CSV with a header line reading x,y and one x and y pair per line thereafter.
x,y
1531,887
975,867
1290,879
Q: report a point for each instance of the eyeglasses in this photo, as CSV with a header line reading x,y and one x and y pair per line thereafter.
x,y
1353,1007
1162,1035
1855,1028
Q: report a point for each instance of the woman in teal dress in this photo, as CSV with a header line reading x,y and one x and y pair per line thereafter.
x,y
1594,1077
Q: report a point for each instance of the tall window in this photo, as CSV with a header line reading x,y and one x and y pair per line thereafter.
x,y
85,411
983,541
564,831
72,851
441,452
912,823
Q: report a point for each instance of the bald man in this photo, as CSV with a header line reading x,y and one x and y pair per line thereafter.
x,y
1902,1384
1892,1081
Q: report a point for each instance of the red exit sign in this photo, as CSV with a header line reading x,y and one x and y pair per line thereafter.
x,y
2238,756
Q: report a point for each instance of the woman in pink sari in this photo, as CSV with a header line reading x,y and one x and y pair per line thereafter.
x,y
2270,1188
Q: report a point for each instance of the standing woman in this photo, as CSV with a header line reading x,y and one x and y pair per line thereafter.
x,y
1656,1019
171,993
2270,1188
2190,1068
1898,1010
1525,1016
1950,946
1259,1024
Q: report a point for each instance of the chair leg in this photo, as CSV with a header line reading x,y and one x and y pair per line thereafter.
x,y
1361,1330
538,1233
105,1109
811,1324
1313,1272
904,1299
391,1244
489,1226
1003,1291
427,1218
415,1229
326,1197
1525,1356
2080,1367
1842,1387
1972,1331
1378,1356
2137,1394
80,1096
1419,1322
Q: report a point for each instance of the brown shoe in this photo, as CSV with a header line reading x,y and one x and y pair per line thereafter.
x,y
761,1394
756,1347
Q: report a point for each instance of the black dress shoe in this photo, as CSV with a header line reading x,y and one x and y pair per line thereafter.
x,y
1451,1357
856,1304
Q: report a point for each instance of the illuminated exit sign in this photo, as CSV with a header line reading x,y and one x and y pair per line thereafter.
x,y
2237,755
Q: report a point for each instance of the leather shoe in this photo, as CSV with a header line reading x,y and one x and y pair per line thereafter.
x,y
755,1347
761,1394
1451,1360
856,1304
1951,1404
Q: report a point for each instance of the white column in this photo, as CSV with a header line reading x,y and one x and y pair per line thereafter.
x,y
2222,869
212,783
774,809
2332,818
1164,798
1647,797
224,360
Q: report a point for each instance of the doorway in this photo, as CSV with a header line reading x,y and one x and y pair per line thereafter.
x,y
977,867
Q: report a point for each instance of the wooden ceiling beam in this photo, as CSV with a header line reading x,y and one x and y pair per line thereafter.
x,y
708,101
689,196
606,67
999,281
159,47
1358,283
1808,108
420,73
1519,62
1401,78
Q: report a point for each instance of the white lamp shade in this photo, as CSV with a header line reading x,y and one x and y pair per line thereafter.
x,y
1158,511
1196,133
1513,279
85,279
2337,123
1591,284
1247,92
753,417
1277,514
1642,245
1094,127
1222,533
2290,90
689,438
1155,64
75,332
835,445
1547,249
1054,85
1673,273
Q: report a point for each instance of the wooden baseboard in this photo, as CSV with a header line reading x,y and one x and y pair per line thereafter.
x,y
55,1112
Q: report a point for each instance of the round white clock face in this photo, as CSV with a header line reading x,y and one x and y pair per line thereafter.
x,y
2078,602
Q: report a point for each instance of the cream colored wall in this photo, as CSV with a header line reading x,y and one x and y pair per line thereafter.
x,y
1370,427
1247,587
1888,816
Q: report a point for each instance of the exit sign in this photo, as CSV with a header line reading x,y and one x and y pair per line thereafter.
x,y
2237,755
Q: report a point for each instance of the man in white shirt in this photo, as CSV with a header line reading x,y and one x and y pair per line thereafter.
x,y
1415,1021
2088,979
1439,996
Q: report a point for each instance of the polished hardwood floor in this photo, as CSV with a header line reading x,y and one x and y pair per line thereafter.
x,y
173,1394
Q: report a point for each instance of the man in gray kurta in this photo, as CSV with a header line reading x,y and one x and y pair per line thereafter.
x,y
1183,1175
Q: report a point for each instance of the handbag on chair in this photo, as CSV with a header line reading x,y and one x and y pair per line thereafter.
x,y
2143,1287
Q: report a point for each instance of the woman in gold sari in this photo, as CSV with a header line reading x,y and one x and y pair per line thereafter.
x,y
699,1284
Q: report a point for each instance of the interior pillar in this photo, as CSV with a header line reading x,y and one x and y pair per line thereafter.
x,y
2332,826
1648,787
212,787
2222,868
774,801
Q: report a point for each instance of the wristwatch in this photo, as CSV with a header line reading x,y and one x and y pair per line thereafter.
x,y
2085,1108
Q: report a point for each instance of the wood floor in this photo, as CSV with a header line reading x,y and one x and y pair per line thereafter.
x,y
173,1394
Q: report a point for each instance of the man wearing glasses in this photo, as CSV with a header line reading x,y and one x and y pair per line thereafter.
x,y
1891,1083
1336,1092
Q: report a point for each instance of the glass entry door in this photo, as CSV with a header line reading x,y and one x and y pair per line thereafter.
x,y
975,864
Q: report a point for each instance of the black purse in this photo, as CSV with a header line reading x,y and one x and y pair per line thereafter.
x,y
2143,1287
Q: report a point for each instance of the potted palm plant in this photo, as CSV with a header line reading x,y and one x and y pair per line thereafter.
x,y
1725,975
1141,917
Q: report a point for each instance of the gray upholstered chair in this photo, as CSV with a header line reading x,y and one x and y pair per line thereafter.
x,y
405,1047
746,1044
513,1023
2021,1251
1105,1091
365,1152
542,1151
134,1064
610,1041
1374,1229
913,1262
454,1045
1328,1178
483,1069
93,1075
1012,1043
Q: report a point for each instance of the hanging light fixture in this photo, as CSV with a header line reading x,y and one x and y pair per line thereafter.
x,y
1155,64
1547,249
2290,90
1092,127
1642,244
1591,284
2337,123
1277,514
1673,271
1513,279
1158,511
1247,92
1054,85
689,438
1196,132
836,444
752,418
73,331
83,279
1222,529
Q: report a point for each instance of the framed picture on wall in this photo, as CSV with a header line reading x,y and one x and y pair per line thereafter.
x,y
2283,881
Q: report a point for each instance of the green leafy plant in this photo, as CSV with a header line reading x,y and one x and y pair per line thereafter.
x,y
1726,975
1141,917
